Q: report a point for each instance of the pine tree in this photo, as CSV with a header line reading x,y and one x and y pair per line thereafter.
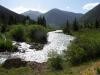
x,y
97,24
39,20
67,28
75,25
27,20
11,20
3,18
3,25
42,21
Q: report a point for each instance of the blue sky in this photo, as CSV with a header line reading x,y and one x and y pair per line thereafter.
x,y
78,6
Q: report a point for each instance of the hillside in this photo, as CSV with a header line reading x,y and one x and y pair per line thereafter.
x,y
59,17
92,15
6,14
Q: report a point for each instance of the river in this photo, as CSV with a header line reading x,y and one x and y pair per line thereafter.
x,y
57,42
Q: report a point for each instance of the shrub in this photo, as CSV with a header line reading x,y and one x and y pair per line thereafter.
x,y
86,47
98,70
5,45
17,33
37,34
1,36
75,54
55,62
91,46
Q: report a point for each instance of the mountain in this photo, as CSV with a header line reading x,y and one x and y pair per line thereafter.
x,y
54,17
32,14
92,15
58,18
7,14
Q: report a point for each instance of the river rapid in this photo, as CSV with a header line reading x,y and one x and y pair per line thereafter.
x,y
57,42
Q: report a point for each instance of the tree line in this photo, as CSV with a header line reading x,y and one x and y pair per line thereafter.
x,y
7,20
76,25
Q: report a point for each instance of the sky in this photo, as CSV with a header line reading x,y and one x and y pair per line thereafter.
x,y
77,6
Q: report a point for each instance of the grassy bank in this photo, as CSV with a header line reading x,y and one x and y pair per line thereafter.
x,y
16,71
89,68
85,47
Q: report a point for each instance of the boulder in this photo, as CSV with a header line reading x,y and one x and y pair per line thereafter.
x,y
14,63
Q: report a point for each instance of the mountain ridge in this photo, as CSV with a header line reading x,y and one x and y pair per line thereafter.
x,y
92,15
7,12
56,17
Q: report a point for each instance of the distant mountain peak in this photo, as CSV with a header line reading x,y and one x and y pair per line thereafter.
x,y
57,17
54,17
56,9
33,11
32,14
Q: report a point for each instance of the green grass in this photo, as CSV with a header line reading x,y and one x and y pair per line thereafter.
x,y
16,71
68,70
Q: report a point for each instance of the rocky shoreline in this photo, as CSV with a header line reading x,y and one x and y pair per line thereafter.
x,y
17,62
37,46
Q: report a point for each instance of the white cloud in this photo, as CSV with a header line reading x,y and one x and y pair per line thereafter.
x,y
90,6
21,9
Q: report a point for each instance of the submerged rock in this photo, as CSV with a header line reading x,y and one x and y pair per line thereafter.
x,y
36,46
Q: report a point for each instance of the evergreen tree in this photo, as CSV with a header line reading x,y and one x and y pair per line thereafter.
x,y
24,21
97,24
42,21
27,20
67,28
11,20
39,20
3,18
3,24
75,25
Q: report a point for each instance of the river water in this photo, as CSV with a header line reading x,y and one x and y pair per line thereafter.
x,y
57,42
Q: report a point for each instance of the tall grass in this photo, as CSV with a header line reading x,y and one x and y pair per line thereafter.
x,y
55,62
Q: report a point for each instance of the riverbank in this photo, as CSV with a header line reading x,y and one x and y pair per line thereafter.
x,y
89,68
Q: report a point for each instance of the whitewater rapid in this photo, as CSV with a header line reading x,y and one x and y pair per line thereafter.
x,y
57,42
